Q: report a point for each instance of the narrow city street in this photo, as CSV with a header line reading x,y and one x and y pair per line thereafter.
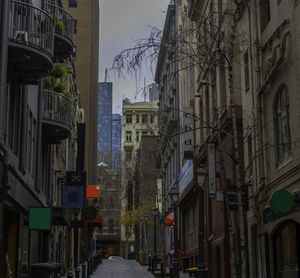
x,y
121,269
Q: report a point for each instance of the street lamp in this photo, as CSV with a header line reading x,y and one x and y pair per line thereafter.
x,y
155,213
175,198
146,218
141,235
202,271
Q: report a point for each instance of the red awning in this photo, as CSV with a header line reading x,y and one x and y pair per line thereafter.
x,y
170,219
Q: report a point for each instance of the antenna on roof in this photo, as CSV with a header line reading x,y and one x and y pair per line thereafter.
x,y
105,78
144,89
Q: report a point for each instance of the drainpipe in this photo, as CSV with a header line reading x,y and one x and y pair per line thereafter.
x,y
39,138
3,194
3,59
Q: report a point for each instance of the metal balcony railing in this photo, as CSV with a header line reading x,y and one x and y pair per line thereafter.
x,y
57,108
31,26
64,22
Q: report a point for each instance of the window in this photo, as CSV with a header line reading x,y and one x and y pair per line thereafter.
x,y
128,156
128,136
111,226
75,26
128,119
265,14
137,119
137,136
151,119
144,119
14,118
144,132
72,3
246,70
282,123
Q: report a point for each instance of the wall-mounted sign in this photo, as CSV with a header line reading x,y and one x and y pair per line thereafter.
x,y
76,178
186,176
211,159
282,201
93,191
73,197
188,136
40,218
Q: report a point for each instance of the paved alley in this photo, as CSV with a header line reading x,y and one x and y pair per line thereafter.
x,y
121,269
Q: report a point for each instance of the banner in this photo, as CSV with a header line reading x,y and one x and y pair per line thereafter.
x,y
73,197
211,158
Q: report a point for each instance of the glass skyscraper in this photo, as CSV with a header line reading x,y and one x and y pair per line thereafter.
x,y
105,122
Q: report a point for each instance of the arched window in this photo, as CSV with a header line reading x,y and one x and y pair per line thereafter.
x,y
282,123
286,250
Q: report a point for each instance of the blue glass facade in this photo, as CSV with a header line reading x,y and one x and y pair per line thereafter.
x,y
105,122
116,140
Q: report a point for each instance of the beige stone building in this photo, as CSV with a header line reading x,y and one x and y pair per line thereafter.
x,y
138,119
86,41
270,70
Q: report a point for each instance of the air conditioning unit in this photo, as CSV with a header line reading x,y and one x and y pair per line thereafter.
x,y
21,36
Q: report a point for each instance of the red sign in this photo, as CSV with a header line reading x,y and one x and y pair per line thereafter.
x,y
93,191
170,219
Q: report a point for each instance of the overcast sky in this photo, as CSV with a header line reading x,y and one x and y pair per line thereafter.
x,y
121,23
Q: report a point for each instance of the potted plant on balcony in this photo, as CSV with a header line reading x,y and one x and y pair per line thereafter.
x,y
59,71
59,27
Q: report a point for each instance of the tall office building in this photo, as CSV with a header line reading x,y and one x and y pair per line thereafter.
x,y
105,122
86,39
116,140
153,92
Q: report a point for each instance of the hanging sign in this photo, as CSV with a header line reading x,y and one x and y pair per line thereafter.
x,y
93,191
72,197
75,178
211,158
188,136
40,218
282,201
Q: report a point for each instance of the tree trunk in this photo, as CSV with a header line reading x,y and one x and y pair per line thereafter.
x,y
241,224
227,215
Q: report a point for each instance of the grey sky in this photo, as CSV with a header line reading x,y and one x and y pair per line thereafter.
x,y
122,22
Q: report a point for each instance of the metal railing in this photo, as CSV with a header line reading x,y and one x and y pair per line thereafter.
x,y
57,108
31,25
62,18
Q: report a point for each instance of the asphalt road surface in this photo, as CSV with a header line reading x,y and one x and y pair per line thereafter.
x,y
121,269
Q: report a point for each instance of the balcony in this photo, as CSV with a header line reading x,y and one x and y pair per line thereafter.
x,y
31,42
64,31
57,117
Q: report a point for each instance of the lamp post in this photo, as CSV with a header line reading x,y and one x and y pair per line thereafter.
x,y
155,213
175,197
146,218
141,237
202,271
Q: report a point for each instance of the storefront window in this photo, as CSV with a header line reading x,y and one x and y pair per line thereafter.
x,y
286,251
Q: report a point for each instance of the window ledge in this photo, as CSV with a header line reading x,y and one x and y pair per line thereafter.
x,y
281,164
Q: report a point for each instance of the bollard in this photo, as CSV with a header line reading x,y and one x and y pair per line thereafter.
x,y
77,272
162,274
88,269
171,271
70,274
149,264
83,267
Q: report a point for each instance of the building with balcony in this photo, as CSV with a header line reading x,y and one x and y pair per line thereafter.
x,y
138,119
38,132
